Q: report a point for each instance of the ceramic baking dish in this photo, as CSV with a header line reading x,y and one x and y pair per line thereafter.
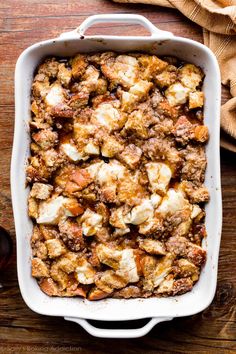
x,y
155,309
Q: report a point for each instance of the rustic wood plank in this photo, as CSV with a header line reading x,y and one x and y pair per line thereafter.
x,y
23,23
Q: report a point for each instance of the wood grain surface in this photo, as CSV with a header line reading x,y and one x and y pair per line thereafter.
x,y
22,23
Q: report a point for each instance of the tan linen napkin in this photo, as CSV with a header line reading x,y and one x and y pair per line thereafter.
x,y
218,19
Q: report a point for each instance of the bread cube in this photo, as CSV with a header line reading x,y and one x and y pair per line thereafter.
x,y
78,65
111,147
150,66
85,273
140,213
167,77
131,156
91,222
196,99
55,248
41,88
152,246
39,268
97,294
182,286
49,287
184,269
45,138
177,94
39,249
190,76
121,70
159,176
55,95
62,278
166,286
33,208
64,75
41,191
155,270
201,133
50,211
136,125
109,281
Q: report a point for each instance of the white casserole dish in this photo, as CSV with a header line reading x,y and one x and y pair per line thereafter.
x,y
76,309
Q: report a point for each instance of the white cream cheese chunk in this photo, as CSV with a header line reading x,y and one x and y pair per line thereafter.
x,y
55,95
93,169
123,262
71,151
110,172
172,202
91,222
126,70
190,76
106,115
155,200
91,149
85,273
177,94
51,211
127,267
141,213
159,175
195,211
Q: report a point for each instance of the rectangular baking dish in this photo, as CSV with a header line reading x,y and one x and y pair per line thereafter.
x,y
156,309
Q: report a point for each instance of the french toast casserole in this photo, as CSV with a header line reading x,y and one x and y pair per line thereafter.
x,y
116,175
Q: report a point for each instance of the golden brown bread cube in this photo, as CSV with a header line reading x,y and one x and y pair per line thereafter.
x,y
48,232
78,66
155,270
62,278
136,94
109,280
166,77
196,99
150,66
49,68
39,268
194,165
181,286
121,70
49,287
68,263
39,250
97,294
41,191
183,130
55,248
131,156
152,246
183,268
33,207
40,90
128,292
137,125
166,286
64,75
111,147
190,75
85,273
201,133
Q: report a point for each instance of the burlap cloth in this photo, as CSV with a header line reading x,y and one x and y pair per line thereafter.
x,y
218,19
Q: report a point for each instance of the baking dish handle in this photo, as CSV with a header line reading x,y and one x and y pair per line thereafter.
x,y
118,333
118,18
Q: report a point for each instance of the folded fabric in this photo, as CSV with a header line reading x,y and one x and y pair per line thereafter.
x,y
218,19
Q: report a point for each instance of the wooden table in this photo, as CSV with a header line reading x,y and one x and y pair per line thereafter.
x,y
22,23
